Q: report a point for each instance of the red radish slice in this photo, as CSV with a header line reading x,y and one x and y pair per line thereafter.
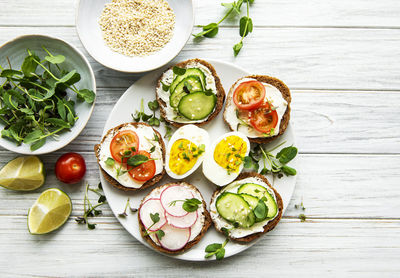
x,y
152,206
183,221
175,193
174,238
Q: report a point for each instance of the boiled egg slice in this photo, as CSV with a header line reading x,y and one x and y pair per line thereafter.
x,y
186,151
224,162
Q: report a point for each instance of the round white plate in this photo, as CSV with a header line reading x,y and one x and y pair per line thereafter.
x,y
16,51
127,104
87,24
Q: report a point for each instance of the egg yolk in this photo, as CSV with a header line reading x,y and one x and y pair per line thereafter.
x,y
230,152
183,156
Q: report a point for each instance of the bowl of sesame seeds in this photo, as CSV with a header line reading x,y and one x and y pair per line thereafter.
x,y
134,35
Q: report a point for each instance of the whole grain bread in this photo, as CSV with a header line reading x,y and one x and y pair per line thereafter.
x,y
113,181
190,244
271,224
220,93
285,94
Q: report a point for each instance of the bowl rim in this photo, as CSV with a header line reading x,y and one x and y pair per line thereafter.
x,y
95,57
92,77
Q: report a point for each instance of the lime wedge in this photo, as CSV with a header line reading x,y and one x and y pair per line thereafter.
x,y
49,212
23,173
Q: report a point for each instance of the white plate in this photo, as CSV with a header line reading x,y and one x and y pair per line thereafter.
x,y
87,24
129,101
16,51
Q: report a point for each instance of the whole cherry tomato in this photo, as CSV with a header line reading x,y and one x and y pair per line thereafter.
x,y
70,168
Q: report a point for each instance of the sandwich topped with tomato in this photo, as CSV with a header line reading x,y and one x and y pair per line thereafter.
x,y
259,107
131,156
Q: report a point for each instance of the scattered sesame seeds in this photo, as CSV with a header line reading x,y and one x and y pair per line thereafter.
x,y
137,27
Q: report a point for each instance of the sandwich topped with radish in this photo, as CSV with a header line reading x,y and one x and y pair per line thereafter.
x,y
131,156
173,217
259,107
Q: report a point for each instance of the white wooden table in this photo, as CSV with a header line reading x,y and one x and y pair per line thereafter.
x,y
341,60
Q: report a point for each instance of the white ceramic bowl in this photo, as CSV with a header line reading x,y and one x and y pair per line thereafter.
x,y
16,51
87,24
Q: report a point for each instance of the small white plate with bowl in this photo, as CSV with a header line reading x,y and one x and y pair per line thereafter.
x,y
15,52
88,14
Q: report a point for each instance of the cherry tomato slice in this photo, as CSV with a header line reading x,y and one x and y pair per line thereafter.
x,y
249,95
263,119
145,171
122,142
70,168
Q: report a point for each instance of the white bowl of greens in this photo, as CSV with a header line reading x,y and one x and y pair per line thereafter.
x,y
47,94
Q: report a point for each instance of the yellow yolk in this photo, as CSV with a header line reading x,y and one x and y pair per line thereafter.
x,y
183,156
230,152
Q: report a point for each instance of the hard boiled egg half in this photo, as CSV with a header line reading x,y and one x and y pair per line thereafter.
x,y
186,151
225,160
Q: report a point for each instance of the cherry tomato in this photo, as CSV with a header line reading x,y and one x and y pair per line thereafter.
x,y
70,168
263,119
122,142
145,171
249,95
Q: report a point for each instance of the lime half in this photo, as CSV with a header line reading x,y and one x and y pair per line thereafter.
x,y
23,173
49,212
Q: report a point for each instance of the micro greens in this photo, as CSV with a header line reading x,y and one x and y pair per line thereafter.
x,y
124,214
155,218
302,217
34,103
245,23
189,205
216,249
89,209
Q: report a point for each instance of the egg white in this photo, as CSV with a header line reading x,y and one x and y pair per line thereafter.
x,y
194,134
146,142
213,171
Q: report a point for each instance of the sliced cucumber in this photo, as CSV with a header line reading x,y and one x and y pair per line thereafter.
x,y
253,202
192,84
260,191
197,106
233,208
189,72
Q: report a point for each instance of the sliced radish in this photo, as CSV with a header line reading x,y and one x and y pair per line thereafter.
x,y
174,238
182,221
152,206
175,193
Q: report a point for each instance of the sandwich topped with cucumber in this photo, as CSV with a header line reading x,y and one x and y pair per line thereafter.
x,y
246,208
190,93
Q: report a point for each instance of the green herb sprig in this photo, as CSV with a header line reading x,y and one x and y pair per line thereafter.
x,y
91,210
33,100
216,249
155,218
189,205
124,214
245,23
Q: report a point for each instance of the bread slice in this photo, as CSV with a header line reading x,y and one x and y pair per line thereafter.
x,y
220,93
113,181
190,244
271,224
285,94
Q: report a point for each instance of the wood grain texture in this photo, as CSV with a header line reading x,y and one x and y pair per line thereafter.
x,y
341,13
327,248
304,58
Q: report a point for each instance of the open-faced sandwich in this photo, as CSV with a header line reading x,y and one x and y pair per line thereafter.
x,y
246,208
131,156
259,107
190,92
173,217
224,162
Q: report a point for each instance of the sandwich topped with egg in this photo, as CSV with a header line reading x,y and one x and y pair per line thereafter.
x,y
131,156
190,93
259,107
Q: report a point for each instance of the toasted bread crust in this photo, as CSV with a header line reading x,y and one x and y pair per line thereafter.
x,y
190,244
220,93
270,225
285,91
113,181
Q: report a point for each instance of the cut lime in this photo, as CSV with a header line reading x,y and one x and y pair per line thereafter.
x,y
49,212
23,173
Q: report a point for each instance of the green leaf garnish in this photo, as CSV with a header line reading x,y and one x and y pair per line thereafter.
x,y
178,70
216,249
110,161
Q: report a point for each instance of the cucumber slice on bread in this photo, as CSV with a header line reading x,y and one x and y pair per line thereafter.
x,y
189,72
188,85
197,106
260,192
